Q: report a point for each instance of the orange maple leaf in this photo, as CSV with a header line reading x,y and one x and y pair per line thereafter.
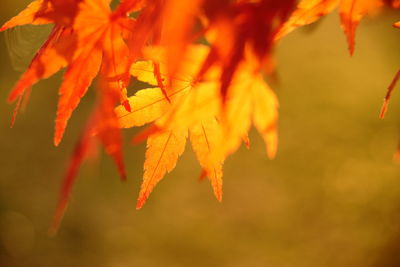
x,y
92,40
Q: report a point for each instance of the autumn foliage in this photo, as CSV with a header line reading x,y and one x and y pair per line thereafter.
x,y
204,62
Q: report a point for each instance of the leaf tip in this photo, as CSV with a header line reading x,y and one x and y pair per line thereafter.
x,y
383,109
56,141
246,141
58,216
59,132
123,176
140,202
121,168
351,44
11,98
271,152
202,176
127,105
218,195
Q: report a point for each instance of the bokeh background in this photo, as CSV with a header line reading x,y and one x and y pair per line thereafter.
x,y
330,198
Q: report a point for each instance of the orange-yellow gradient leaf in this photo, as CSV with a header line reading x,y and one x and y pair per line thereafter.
x,y
265,115
163,151
199,102
190,100
215,131
151,104
250,101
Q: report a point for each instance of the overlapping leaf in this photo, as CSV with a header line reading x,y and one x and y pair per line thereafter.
x,y
211,94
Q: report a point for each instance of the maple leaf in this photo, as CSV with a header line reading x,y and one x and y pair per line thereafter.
x,y
209,94
194,107
205,137
164,147
249,100
163,150
80,47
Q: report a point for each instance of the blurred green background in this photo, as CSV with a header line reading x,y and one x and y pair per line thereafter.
x,y
330,198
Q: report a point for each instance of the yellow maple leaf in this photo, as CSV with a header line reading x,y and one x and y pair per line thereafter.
x,y
194,107
150,104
